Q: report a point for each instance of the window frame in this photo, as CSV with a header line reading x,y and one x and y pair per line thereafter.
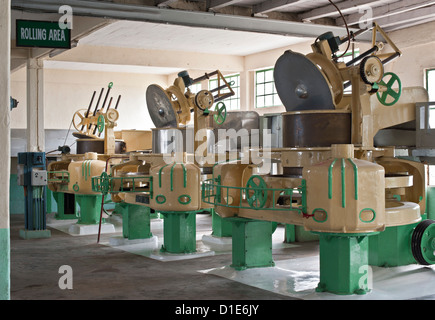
x,y
274,93
427,71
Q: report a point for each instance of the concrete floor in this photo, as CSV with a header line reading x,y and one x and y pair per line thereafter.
x,y
106,273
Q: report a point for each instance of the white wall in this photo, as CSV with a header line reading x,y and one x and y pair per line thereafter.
x,y
66,91
418,46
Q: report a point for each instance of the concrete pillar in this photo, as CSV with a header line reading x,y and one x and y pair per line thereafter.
x,y
246,89
5,142
35,106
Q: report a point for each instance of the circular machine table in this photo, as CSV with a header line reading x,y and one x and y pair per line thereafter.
x,y
317,128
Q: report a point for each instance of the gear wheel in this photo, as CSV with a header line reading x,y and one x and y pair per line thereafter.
x,y
371,70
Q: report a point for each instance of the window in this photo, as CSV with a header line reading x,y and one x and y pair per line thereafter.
x,y
265,91
195,88
233,102
430,83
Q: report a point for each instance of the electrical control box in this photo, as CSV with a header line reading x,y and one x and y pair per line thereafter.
x,y
38,177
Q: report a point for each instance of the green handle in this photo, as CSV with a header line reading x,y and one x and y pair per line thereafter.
x,y
390,92
100,123
256,192
221,115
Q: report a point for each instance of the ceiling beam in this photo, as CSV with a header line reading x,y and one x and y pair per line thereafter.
x,y
164,3
409,18
273,5
384,11
328,10
219,4
183,17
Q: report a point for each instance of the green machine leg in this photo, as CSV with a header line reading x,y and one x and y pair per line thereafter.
x,y
179,232
430,202
90,208
252,243
295,233
392,247
344,264
221,227
66,206
136,222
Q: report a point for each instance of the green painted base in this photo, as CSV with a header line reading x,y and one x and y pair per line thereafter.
x,y
295,233
221,227
430,203
5,264
90,208
34,234
252,243
66,206
344,266
179,232
136,222
392,247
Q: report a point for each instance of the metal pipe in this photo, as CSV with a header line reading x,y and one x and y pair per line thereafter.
x,y
96,106
361,56
355,34
117,102
206,76
89,109
391,58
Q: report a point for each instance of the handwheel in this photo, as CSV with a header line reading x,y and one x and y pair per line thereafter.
x,y
100,123
78,117
423,242
221,115
104,183
390,92
256,192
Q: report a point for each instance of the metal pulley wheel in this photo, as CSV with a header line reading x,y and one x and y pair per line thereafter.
x,y
160,107
112,115
204,99
371,70
423,242
300,83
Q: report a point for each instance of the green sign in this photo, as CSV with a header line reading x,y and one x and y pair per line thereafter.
x,y
42,34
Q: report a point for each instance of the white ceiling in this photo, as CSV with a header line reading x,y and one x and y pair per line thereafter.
x,y
155,36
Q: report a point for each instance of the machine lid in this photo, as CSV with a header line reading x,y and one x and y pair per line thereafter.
x,y
300,83
160,107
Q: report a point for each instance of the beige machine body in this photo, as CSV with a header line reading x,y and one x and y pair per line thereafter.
x,y
176,187
344,194
81,173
